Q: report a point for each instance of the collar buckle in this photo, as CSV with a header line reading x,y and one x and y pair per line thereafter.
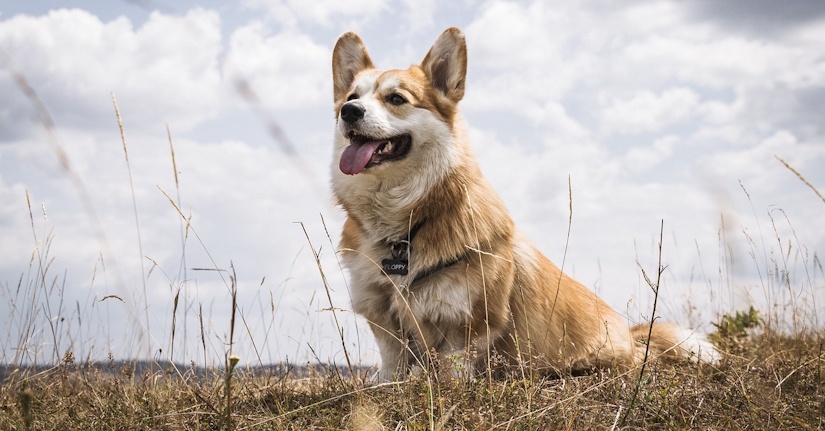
x,y
400,249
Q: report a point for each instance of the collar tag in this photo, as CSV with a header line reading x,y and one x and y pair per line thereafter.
x,y
396,266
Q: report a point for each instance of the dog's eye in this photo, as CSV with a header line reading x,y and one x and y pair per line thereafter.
x,y
396,99
352,96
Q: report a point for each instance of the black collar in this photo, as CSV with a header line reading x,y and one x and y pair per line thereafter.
x,y
399,263
441,265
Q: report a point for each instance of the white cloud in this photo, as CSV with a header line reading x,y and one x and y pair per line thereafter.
x,y
524,53
757,166
290,13
166,70
649,112
17,238
287,70
717,60
421,13
644,158
501,27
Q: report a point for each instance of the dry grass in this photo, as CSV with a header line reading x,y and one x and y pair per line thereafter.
x,y
767,381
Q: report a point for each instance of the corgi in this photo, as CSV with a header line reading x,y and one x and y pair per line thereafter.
x,y
436,265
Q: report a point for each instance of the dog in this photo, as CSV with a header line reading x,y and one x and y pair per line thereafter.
x,y
436,265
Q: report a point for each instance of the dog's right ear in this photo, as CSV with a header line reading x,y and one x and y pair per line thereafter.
x,y
348,59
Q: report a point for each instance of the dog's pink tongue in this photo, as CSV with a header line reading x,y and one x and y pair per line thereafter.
x,y
355,157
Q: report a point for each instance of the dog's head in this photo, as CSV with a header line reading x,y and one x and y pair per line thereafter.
x,y
399,122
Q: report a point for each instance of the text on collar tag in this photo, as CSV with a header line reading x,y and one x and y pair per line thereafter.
x,y
396,266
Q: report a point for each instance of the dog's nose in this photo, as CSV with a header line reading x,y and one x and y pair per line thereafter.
x,y
352,111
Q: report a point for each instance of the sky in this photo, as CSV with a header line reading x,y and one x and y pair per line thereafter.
x,y
603,125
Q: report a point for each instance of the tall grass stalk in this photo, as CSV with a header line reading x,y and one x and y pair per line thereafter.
x,y
137,226
344,278
231,359
801,178
338,327
804,261
183,280
488,340
655,288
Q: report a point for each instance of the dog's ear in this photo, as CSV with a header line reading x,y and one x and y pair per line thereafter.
x,y
446,64
348,58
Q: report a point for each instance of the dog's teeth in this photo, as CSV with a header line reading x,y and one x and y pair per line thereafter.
x,y
385,149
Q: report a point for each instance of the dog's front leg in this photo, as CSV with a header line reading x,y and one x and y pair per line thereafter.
x,y
392,345
466,353
450,351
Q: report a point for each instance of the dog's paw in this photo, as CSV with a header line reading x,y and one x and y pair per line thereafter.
x,y
373,379
383,376
416,371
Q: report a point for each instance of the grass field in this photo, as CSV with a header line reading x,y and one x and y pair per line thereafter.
x,y
767,381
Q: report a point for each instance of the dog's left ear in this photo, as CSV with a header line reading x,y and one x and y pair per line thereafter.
x,y
446,64
348,58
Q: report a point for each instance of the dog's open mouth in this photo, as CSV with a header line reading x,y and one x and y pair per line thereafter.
x,y
364,151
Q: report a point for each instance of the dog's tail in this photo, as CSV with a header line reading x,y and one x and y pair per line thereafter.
x,y
669,341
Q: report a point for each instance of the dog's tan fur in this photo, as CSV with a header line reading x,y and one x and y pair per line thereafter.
x,y
502,293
